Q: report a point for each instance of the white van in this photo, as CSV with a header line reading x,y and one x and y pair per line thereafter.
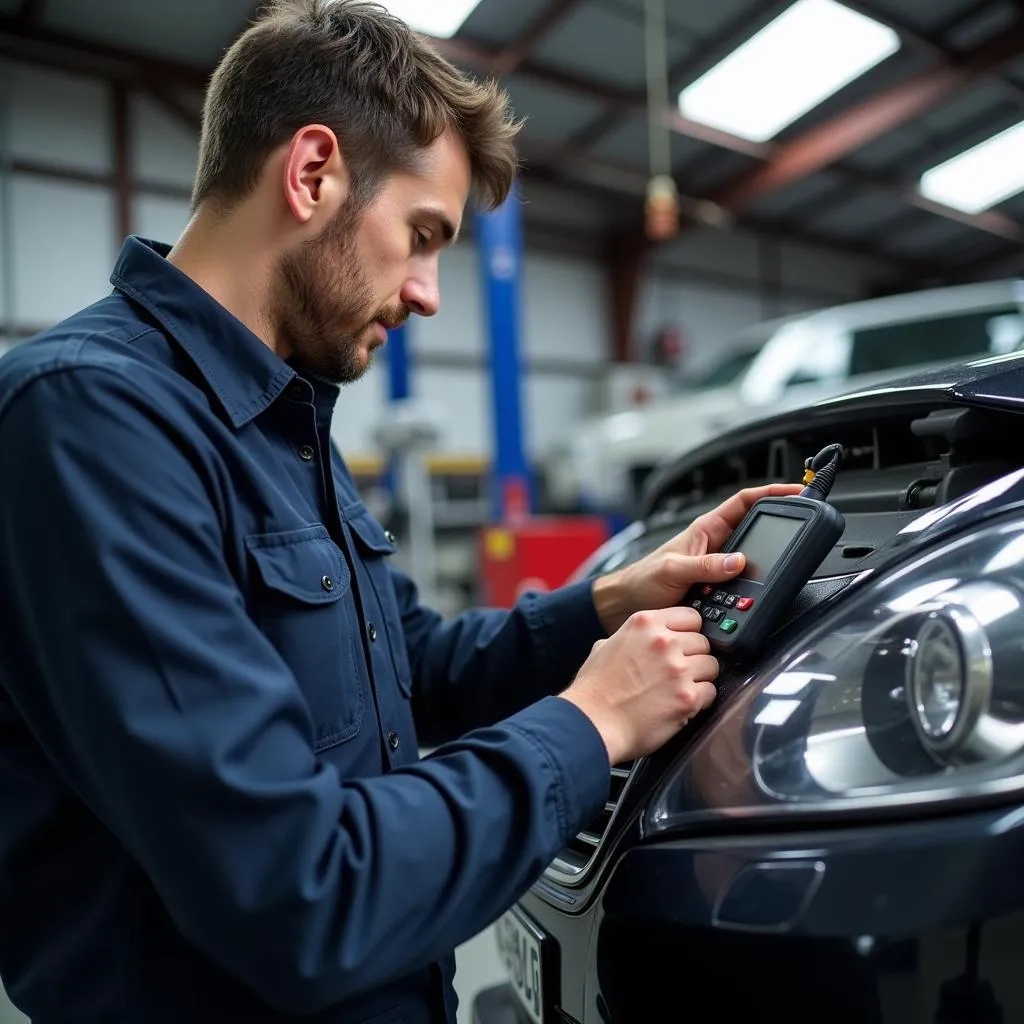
x,y
800,360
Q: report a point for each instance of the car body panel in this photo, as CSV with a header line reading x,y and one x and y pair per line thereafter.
x,y
904,915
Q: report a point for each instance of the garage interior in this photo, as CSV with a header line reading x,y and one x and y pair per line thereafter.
x,y
462,434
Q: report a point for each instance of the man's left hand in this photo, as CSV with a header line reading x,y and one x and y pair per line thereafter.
x,y
662,578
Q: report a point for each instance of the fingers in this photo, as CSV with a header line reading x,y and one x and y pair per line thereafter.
x,y
676,619
680,571
694,643
702,669
698,697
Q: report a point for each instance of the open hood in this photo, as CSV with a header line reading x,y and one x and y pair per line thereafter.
x,y
912,443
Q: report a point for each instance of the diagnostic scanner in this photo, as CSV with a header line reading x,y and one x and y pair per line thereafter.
x,y
784,540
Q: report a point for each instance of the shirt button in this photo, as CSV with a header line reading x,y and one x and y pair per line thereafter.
x,y
390,536
306,453
372,630
393,740
327,583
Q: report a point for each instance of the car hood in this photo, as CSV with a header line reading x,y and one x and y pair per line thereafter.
x,y
738,456
996,381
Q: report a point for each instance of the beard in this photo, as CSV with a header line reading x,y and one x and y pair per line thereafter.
x,y
322,289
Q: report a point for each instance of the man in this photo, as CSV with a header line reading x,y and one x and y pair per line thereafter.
x,y
212,682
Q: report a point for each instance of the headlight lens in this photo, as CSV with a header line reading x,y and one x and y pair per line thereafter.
x,y
910,692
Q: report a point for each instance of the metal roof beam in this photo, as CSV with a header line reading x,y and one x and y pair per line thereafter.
x,y
37,44
827,143
626,185
931,44
710,51
508,60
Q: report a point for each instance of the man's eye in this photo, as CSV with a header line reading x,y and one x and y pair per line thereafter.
x,y
420,240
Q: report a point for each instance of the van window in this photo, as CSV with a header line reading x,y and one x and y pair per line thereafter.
x,y
948,338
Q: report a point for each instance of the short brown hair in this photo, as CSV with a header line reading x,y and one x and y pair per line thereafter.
x,y
352,66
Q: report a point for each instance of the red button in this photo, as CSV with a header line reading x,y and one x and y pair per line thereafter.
x,y
744,604
708,590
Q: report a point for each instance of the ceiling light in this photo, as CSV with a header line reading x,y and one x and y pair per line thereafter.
x,y
439,18
806,54
981,177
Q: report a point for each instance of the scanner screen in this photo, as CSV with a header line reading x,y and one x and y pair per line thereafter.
x,y
765,542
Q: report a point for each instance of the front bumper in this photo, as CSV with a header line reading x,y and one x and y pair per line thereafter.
x,y
899,923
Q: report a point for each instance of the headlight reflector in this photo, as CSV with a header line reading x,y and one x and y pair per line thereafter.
x,y
910,691
936,671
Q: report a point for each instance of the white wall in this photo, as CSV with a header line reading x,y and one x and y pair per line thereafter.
x,y
65,243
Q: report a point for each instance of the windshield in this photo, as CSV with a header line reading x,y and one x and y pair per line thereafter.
x,y
727,370
947,338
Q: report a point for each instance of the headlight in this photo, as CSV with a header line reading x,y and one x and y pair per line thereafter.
x,y
909,693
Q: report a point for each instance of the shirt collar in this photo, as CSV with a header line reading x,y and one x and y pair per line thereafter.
x,y
244,374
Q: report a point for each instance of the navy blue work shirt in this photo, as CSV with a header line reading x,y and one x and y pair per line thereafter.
x,y
213,686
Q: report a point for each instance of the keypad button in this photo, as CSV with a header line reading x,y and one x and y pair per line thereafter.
x,y
708,591
715,614
698,604
744,604
730,600
719,597
729,626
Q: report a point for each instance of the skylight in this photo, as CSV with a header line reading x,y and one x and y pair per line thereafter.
x,y
440,18
982,177
806,54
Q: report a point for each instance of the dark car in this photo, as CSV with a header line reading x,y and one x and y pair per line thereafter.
x,y
840,838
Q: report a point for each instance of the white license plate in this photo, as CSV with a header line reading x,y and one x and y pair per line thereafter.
x,y
519,945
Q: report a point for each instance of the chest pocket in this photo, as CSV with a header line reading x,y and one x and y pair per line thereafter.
x,y
302,602
375,546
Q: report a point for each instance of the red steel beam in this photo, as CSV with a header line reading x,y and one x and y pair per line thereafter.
x,y
508,60
625,262
123,173
824,145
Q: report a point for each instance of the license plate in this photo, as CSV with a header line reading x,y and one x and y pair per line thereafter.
x,y
520,946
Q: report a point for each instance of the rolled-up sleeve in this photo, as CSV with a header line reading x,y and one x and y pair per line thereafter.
x,y
129,652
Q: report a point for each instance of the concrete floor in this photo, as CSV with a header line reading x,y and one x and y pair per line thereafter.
x,y
478,968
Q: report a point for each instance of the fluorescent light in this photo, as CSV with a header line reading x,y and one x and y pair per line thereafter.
x,y
806,54
440,18
981,177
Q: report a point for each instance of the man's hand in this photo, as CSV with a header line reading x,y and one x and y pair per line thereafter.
x,y
644,684
661,579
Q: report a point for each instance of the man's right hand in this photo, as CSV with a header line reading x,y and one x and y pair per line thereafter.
x,y
641,686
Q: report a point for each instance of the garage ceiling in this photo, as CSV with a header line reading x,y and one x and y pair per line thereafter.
x,y
844,176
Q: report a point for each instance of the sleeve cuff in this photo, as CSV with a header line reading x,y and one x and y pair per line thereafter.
x,y
567,626
578,754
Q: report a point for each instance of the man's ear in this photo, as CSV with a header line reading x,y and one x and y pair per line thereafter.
x,y
316,178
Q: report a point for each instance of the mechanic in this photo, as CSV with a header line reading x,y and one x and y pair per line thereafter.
x,y
213,684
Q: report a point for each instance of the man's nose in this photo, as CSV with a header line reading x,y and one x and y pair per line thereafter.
x,y
422,295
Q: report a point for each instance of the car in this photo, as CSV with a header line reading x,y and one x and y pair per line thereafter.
x,y
785,364
840,836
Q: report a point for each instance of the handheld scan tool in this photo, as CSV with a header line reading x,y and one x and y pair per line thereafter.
x,y
784,541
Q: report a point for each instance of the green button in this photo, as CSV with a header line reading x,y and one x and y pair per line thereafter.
x,y
729,625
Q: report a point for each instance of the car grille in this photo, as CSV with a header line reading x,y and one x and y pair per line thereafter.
x,y
582,849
